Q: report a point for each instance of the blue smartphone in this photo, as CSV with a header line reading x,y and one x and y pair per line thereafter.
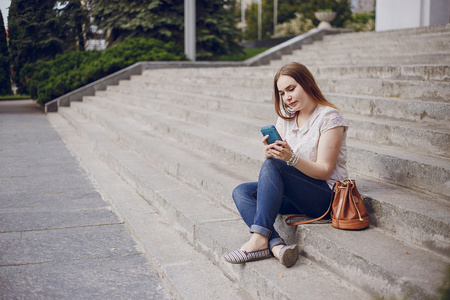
x,y
272,132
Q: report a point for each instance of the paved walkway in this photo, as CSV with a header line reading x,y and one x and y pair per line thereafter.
x,y
58,238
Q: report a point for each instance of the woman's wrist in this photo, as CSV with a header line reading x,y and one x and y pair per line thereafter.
x,y
293,160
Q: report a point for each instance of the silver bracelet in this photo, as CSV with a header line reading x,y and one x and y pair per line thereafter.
x,y
290,158
293,160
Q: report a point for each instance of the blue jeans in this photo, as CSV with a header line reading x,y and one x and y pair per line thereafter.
x,y
280,189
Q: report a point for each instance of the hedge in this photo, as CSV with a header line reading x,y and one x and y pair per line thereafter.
x,y
48,80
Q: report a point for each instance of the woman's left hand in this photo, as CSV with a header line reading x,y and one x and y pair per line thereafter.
x,y
280,150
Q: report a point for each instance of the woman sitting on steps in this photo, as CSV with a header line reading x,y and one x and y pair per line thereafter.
x,y
299,172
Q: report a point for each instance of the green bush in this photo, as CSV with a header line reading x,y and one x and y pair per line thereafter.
x,y
361,22
295,26
48,80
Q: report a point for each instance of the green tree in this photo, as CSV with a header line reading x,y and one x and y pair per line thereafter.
x,y
164,20
5,72
216,29
74,21
34,34
160,19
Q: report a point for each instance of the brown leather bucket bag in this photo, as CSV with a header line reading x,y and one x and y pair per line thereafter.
x,y
347,209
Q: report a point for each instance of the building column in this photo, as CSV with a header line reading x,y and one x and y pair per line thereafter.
x,y
189,29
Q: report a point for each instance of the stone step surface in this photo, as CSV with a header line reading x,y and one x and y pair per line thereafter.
x,y
234,151
178,263
423,112
432,140
414,72
407,286
362,59
395,87
251,162
377,134
257,91
380,45
196,218
437,32
429,46
375,46
183,139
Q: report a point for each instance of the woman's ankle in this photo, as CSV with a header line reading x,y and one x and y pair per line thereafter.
x,y
256,242
276,250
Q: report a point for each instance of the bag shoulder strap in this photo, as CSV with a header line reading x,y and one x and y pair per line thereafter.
x,y
312,220
307,221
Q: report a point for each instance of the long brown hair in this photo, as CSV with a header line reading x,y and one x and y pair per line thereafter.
x,y
303,77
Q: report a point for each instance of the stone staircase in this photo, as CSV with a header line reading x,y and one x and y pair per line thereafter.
x,y
180,140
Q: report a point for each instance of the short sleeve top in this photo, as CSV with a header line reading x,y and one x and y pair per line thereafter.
x,y
304,140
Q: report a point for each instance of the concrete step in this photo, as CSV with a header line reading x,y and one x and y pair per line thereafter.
x,y
215,122
261,91
401,109
355,59
409,44
374,44
176,262
436,72
240,154
195,129
420,112
219,229
431,90
370,166
234,93
262,111
413,33
429,140
199,171
409,215
432,140
376,259
183,139
408,169
429,31
406,89
210,228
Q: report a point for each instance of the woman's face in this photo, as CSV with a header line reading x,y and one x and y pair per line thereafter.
x,y
292,93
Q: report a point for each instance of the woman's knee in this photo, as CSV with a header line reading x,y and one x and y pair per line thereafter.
x,y
244,192
271,163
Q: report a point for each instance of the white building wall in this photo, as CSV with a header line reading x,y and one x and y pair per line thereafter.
x,y
398,14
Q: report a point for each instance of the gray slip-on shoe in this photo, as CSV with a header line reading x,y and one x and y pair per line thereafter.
x,y
288,255
240,256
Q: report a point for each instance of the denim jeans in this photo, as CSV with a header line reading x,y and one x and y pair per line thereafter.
x,y
280,189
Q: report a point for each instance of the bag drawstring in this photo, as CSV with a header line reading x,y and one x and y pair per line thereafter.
x,y
353,200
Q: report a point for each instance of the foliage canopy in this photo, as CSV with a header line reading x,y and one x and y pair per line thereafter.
x,y
289,10
164,20
46,80
5,73
41,29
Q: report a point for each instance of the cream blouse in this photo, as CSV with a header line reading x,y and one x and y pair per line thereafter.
x,y
304,141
